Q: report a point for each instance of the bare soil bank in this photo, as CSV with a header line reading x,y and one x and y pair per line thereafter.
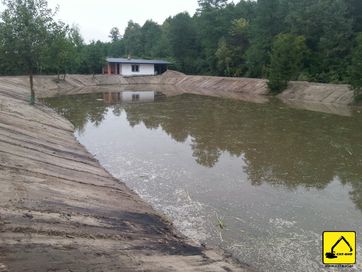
x,y
242,88
328,98
61,211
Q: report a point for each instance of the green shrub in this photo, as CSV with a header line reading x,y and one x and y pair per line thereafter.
x,y
287,59
356,69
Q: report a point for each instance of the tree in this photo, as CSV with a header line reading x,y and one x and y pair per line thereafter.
x,y
355,12
224,56
61,51
163,47
238,42
133,39
25,34
287,58
356,69
327,28
151,35
184,42
268,22
77,49
211,4
213,20
6,64
116,49
94,57
114,34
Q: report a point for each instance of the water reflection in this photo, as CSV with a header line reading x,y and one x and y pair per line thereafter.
x,y
280,146
129,97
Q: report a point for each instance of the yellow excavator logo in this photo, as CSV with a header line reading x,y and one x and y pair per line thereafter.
x,y
339,247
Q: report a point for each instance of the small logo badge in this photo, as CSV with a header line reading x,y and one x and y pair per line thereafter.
x,y
339,248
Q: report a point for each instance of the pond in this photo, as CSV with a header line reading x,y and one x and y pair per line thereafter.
x,y
262,181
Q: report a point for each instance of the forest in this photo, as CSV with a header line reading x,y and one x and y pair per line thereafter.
x,y
282,40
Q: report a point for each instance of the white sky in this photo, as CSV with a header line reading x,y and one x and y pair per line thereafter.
x,y
96,18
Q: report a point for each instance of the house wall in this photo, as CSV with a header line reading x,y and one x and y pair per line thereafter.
x,y
145,69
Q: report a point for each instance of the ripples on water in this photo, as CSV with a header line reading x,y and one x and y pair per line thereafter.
x,y
275,177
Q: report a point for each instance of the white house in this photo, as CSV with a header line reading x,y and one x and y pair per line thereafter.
x,y
134,67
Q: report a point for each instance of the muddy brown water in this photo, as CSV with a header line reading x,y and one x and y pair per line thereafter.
x,y
262,181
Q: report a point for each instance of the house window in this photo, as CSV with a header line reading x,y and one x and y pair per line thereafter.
x,y
135,68
135,97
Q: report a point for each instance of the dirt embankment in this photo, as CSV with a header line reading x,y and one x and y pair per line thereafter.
x,y
61,211
318,93
297,91
249,89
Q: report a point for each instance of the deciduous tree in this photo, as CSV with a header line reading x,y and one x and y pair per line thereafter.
x,y
133,39
25,31
114,34
287,58
94,57
268,22
184,42
61,52
356,69
150,38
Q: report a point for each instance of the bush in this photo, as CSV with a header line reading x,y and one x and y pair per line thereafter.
x,y
287,58
356,69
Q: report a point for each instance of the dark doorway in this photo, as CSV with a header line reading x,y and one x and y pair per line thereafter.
x,y
160,68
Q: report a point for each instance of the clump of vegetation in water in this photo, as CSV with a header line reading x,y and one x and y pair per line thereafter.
x,y
220,222
221,225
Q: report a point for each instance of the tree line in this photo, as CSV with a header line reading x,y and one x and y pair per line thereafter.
x,y
282,40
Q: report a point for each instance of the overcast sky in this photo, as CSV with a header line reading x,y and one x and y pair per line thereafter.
x,y
96,18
